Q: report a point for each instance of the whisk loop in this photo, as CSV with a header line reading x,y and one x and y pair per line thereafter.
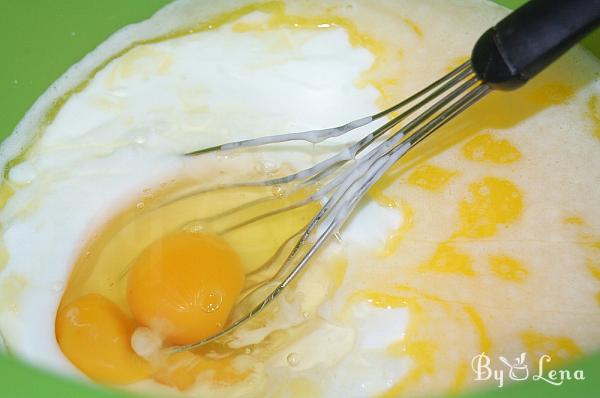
x,y
339,182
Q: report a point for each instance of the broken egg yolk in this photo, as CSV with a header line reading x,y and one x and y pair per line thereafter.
x,y
184,286
95,335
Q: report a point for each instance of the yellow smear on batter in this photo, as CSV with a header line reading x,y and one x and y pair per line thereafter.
x,y
574,220
337,273
182,371
142,61
593,245
426,355
422,353
457,62
10,290
397,236
493,202
508,268
594,112
6,191
560,348
377,191
484,339
379,299
4,256
594,268
460,379
488,148
278,19
413,25
473,315
430,177
384,53
448,259
301,387
425,295
551,94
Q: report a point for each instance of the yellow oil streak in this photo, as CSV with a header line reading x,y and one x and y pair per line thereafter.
x,y
551,94
493,202
487,148
430,177
574,220
485,342
447,259
594,112
559,348
508,268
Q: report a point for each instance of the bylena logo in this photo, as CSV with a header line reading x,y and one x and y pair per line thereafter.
x,y
519,370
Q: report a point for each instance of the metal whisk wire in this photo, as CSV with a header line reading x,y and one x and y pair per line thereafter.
x,y
350,173
335,163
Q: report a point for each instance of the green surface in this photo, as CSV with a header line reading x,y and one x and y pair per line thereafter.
x,y
39,40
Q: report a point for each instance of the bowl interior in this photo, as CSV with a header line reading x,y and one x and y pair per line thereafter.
x,y
40,40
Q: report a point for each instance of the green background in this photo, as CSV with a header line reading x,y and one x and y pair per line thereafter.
x,y
39,40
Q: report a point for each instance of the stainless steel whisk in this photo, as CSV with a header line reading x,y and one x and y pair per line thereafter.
x,y
504,58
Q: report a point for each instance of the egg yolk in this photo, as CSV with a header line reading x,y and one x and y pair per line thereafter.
x,y
95,335
184,286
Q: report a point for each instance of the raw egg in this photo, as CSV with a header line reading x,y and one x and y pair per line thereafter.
x,y
185,285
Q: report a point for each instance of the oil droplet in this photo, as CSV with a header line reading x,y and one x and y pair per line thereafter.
x,y
278,190
147,193
211,302
140,205
194,228
292,359
266,166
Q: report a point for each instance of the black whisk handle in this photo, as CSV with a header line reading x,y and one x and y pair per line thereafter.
x,y
530,39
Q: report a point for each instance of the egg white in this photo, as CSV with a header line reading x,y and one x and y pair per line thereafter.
x,y
126,131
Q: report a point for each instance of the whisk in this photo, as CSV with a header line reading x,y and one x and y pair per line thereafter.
x,y
504,58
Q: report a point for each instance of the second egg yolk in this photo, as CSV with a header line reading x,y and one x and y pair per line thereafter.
x,y
95,335
184,286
